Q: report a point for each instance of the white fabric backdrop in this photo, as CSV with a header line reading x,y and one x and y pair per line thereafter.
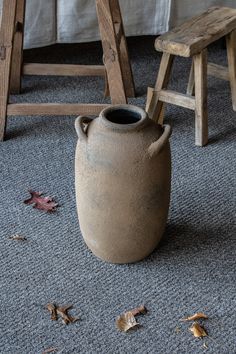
x,y
67,21
184,9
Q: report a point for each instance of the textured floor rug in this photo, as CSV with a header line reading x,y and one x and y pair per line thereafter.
x,y
192,270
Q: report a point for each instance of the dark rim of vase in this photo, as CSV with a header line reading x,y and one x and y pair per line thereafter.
x,y
124,117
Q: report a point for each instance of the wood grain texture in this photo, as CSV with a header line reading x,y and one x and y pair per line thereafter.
x,y
201,114
197,33
6,41
122,47
17,54
63,69
191,83
57,109
111,57
218,71
231,52
155,107
178,99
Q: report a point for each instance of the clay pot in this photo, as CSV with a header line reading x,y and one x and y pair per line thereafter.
x,y
122,178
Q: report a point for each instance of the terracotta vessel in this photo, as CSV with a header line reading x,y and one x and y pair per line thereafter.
x,y
122,178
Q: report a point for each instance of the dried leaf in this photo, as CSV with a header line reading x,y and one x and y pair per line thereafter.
x,y
197,330
205,345
50,350
177,330
42,203
195,317
53,311
18,238
63,312
126,321
139,310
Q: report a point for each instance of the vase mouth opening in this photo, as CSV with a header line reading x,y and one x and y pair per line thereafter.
x,y
123,116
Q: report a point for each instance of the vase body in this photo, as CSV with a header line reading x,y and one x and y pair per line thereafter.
x,y
122,179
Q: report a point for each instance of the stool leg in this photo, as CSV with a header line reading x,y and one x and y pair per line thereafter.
x,y
231,52
17,54
111,57
191,82
155,108
201,115
6,38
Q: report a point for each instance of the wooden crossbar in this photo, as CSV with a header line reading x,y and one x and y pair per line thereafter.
x,y
57,109
176,98
63,70
218,71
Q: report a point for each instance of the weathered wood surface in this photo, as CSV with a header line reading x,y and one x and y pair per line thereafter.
x,y
178,99
17,53
218,71
201,113
111,57
122,47
63,69
231,51
57,109
6,43
155,107
197,33
191,84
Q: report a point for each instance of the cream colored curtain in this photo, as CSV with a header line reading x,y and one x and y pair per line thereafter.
x,y
73,21
184,9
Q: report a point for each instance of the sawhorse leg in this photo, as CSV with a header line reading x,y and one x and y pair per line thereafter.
x,y
116,59
6,39
17,54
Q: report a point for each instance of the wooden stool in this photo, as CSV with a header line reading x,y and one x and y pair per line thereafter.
x,y
191,40
116,69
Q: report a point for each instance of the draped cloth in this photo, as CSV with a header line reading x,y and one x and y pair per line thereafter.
x,y
72,21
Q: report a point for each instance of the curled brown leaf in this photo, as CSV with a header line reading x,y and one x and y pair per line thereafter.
x,y
141,310
18,238
63,312
195,317
126,321
197,330
50,350
177,330
53,311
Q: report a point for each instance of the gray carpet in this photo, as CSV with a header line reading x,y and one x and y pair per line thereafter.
x,y
192,270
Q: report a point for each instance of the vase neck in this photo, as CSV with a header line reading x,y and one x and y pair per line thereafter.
x,y
124,117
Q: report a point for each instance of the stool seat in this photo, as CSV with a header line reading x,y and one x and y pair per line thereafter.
x,y
197,33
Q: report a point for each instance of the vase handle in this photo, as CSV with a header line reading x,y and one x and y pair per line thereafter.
x,y
158,145
80,128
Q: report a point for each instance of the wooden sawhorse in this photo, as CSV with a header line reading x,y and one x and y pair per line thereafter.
x,y
116,69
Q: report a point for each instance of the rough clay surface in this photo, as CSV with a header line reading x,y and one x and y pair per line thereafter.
x,y
122,192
